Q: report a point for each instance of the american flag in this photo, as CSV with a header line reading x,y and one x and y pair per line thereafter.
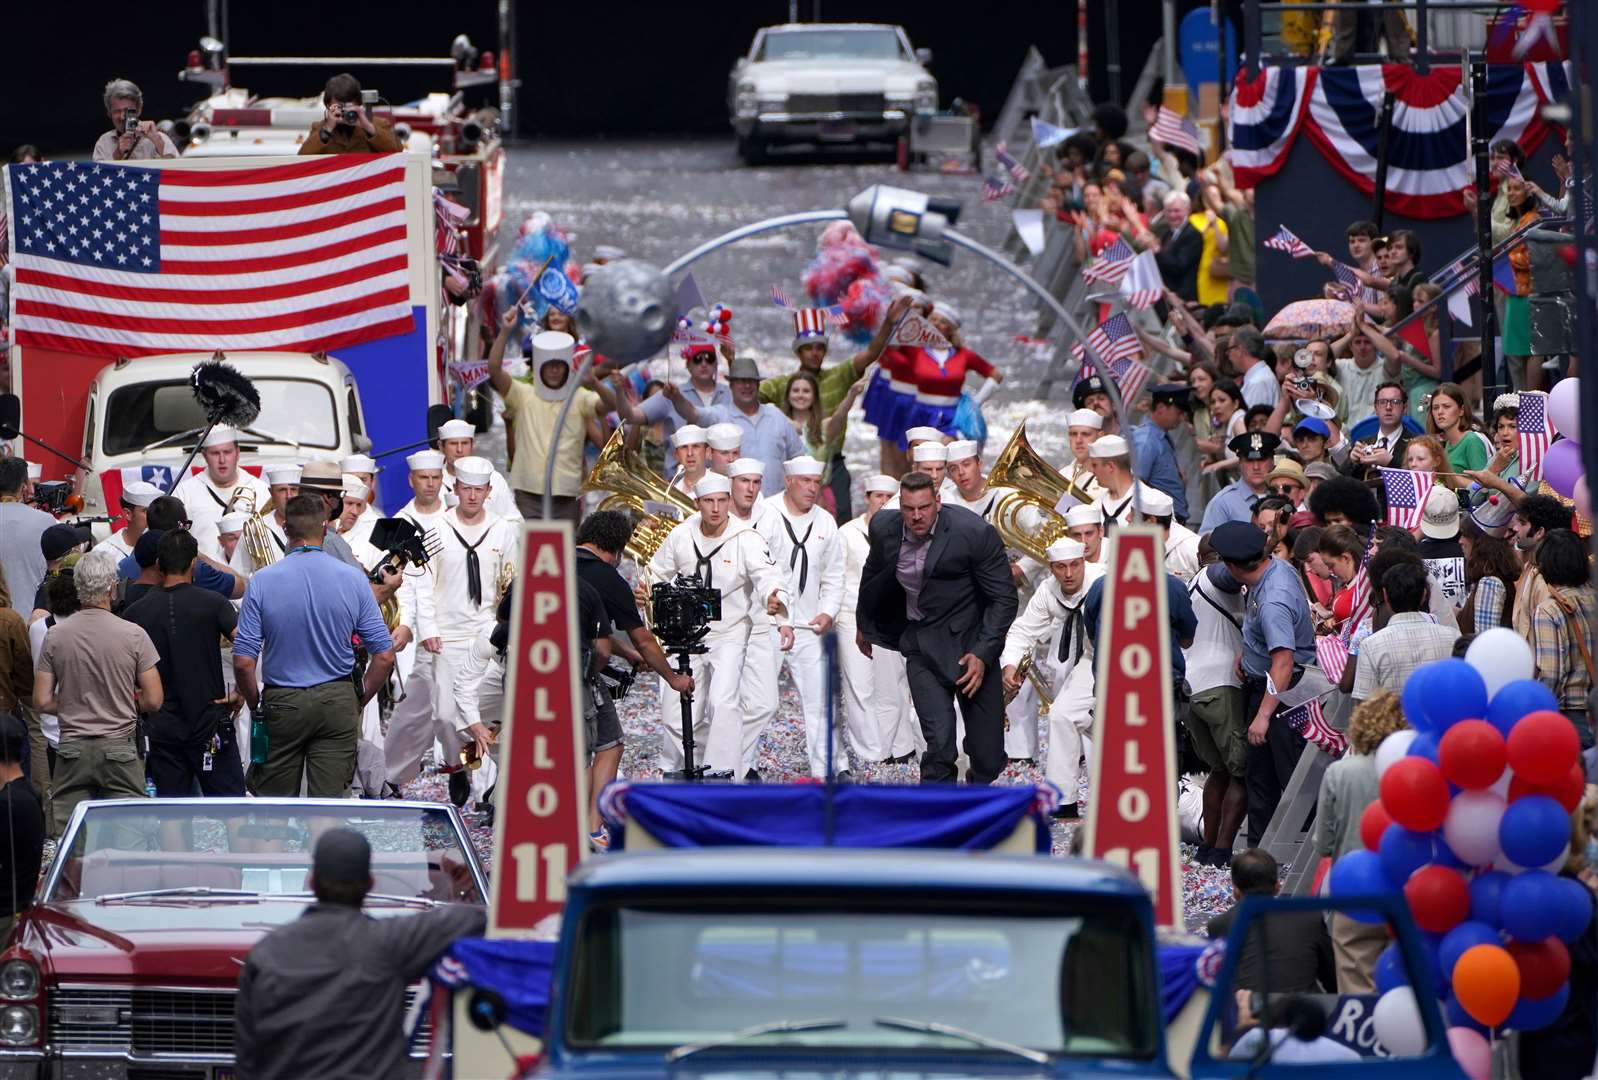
x,y
1129,375
1142,285
1359,602
836,316
1018,172
780,297
5,244
448,216
995,188
122,260
1345,274
1331,652
1285,241
1111,265
1111,340
1175,130
1406,495
1535,432
1309,720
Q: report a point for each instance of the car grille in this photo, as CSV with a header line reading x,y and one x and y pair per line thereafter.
x,y
831,103
154,1022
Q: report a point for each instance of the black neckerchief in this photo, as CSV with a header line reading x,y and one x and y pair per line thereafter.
x,y
702,561
801,554
474,567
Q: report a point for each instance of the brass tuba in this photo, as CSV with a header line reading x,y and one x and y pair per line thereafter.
x,y
1037,488
257,541
632,485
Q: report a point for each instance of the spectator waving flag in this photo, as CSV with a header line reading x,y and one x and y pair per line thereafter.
x,y
1345,275
1359,602
1285,241
1309,720
1406,495
995,188
1018,172
1505,169
1176,131
122,260
1111,265
1535,432
1142,286
1111,340
557,290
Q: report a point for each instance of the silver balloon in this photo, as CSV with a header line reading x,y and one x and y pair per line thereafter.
x,y
627,310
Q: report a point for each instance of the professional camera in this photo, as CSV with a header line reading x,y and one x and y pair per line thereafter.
x,y
53,497
682,611
402,544
349,116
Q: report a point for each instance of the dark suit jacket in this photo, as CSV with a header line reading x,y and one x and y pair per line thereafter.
x,y
1369,473
967,600
1178,261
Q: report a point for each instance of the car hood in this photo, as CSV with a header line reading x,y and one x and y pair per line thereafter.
x,y
833,76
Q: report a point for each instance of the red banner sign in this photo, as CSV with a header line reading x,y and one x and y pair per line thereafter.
x,y
917,331
540,804
1132,817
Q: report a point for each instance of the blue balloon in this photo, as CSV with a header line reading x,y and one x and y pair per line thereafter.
x,y
1467,935
1424,745
1359,873
1529,1015
1456,692
1573,909
1390,973
1417,698
1458,1017
1534,830
1402,852
1516,699
1485,892
1529,905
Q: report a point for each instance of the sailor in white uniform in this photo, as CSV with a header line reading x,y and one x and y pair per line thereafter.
x,y
690,442
725,443
1085,525
364,469
1082,426
206,494
1181,543
135,503
972,491
282,483
458,439
1111,459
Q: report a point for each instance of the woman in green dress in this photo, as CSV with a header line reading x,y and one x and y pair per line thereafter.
x,y
1448,418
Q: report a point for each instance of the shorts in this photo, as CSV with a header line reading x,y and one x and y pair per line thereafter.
x,y
1217,729
602,725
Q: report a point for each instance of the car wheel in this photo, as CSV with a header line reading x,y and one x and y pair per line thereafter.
x,y
752,150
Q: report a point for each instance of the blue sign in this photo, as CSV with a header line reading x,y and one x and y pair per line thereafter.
x,y
1196,52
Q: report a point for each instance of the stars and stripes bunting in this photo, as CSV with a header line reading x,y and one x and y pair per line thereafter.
x,y
1534,432
114,259
1309,720
1142,285
1406,495
1018,172
1111,265
1177,131
1286,241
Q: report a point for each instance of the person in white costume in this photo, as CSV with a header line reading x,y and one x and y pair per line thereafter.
x,y
135,502
1111,459
206,494
457,439
1181,543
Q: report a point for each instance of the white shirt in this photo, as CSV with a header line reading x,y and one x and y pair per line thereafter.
x,y
203,501
739,565
276,540
1045,617
501,501
369,556
1113,509
480,662
420,611
855,539
114,543
1082,476
1218,641
455,618
1260,386
805,545
362,529
1181,551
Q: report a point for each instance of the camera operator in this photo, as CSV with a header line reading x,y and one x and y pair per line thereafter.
x,y
346,129
130,138
21,526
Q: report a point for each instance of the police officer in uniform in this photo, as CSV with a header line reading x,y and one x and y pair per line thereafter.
x,y
1256,452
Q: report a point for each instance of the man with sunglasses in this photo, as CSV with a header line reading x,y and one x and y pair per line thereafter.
x,y
677,405
1386,445
1288,481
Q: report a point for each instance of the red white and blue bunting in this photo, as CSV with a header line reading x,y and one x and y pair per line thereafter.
x,y
1428,156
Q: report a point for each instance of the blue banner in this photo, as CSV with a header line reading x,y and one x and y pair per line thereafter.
x,y
556,289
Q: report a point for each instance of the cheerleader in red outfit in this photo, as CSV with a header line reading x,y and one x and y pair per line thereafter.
x,y
939,376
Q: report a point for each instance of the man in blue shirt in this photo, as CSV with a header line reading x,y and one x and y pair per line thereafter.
x,y
676,405
299,617
1256,453
1178,616
165,514
769,436
1153,453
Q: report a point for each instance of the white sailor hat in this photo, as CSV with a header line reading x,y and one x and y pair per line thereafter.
x,y
1154,502
1108,446
353,486
474,470
219,435
923,434
929,451
1084,418
231,523
724,436
358,463
1065,550
423,460
747,466
288,473
140,493
882,482
1085,514
456,429
947,311
804,465
35,470
712,484
961,449
689,435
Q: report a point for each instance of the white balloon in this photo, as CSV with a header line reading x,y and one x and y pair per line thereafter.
x,y
1394,747
1397,1022
1471,828
1501,656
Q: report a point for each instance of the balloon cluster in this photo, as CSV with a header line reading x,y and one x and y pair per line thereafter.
x,y
719,324
845,272
1473,826
1562,466
539,240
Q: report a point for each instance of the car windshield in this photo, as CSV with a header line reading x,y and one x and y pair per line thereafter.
x,y
257,848
832,45
142,413
1052,980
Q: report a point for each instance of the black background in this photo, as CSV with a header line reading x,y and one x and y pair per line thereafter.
x,y
587,68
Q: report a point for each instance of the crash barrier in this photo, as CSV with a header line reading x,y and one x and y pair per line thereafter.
x,y
1287,837
1024,99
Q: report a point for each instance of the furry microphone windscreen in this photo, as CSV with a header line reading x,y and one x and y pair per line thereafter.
x,y
227,395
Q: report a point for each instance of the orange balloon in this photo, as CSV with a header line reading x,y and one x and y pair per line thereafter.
x,y
1487,983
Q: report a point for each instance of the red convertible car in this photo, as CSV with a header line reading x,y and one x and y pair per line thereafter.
x,y
127,964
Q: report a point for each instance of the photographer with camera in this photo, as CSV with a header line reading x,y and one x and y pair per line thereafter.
x,y
21,526
346,129
130,138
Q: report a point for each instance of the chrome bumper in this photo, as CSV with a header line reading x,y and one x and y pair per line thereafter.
x,y
825,127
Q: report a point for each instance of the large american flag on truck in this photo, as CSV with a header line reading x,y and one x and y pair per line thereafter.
x,y
122,260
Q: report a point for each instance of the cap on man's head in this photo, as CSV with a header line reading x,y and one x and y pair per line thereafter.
x,y
1439,519
358,463
1255,446
746,466
353,486
1154,502
1288,469
1065,550
474,471
1084,418
140,493
1085,389
1108,446
423,460
145,547
57,540
930,451
689,435
1320,470
743,367
342,857
724,436
712,484
804,465
220,435
1085,514
1238,542
230,523
923,434
456,429
322,476
883,483
1178,394
961,449
285,473
1314,425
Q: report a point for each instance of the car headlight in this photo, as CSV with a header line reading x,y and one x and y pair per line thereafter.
x,y
19,1025
19,981
927,96
747,103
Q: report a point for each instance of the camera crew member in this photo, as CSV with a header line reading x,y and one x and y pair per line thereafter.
x,y
346,129
130,138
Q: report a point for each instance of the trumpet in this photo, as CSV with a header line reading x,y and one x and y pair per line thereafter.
x,y
1028,670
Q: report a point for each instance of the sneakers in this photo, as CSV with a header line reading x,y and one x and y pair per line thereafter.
x,y
1068,812
599,842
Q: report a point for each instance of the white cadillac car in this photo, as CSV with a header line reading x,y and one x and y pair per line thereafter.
x,y
828,83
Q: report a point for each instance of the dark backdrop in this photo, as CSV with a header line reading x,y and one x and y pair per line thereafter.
x,y
586,68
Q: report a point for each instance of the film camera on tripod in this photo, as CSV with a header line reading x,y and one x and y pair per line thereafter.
x,y
681,612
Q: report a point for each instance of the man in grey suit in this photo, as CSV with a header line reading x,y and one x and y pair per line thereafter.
x,y
937,587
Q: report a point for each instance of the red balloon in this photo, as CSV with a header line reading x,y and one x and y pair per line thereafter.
x,y
1438,898
1416,794
1372,823
1542,747
1472,753
1567,792
1544,966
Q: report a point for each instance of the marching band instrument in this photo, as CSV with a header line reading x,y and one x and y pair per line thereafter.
x,y
258,543
1037,488
1028,670
632,486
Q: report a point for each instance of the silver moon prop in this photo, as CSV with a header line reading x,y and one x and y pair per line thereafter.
x,y
627,310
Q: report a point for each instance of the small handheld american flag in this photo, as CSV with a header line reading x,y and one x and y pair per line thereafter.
x,y
1142,285
1535,432
1331,652
995,188
1111,340
1177,131
1406,495
1505,169
1111,265
780,298
1309,720
1359,602
1285,241
1018,172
